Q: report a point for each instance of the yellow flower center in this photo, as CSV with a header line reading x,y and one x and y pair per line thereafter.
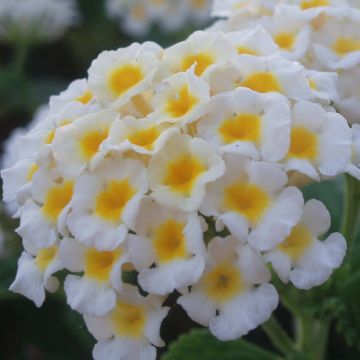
x,y
262,82
303,143
182,173
243,127
111,202
90,142
56,200
285,40
345,45
45,256
312,84
202,61
169,241
246,50
223,283
181,104
85,98
33,169
129,320
145,138
308,4
297,242
50,137
124,78
99,264
247,199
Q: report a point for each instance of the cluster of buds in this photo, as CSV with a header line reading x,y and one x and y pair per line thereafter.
x,y
35,21
179,164
136,17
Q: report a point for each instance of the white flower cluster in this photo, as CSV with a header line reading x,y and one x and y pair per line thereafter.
x,y
136,17
174,163
323,35
36,21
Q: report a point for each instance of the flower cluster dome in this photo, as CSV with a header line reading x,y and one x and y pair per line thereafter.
x,y
136,17
25,21
178,164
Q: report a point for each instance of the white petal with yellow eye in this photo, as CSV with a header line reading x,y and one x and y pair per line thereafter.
x,y
34,274
336,45
33,222
323,85
302,258
245,122
320,141
181,98
245,313
278,221
78,91
116,76
227,288
172,241
129,336
105,203
253,41
77,145
200,51
290,29
319,262
144,136
178,175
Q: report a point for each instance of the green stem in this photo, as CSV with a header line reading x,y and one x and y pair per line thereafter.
x,y
351,211
312,336
20,57
278,336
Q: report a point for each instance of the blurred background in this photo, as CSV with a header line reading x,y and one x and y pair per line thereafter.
x,y
28,76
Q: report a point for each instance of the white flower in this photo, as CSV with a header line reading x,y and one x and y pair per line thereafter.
x,y
320,141
245,122
131,329
34,275
173,241
261,74
144,136
44,213
106,202
254,41
251,195
323,85
301,257
36,20
94,293
290,29
181,98
178,174
200,51
77,91
77,145
226,298
337,44
116,76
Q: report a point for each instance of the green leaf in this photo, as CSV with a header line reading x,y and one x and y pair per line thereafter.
x,y
200,344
